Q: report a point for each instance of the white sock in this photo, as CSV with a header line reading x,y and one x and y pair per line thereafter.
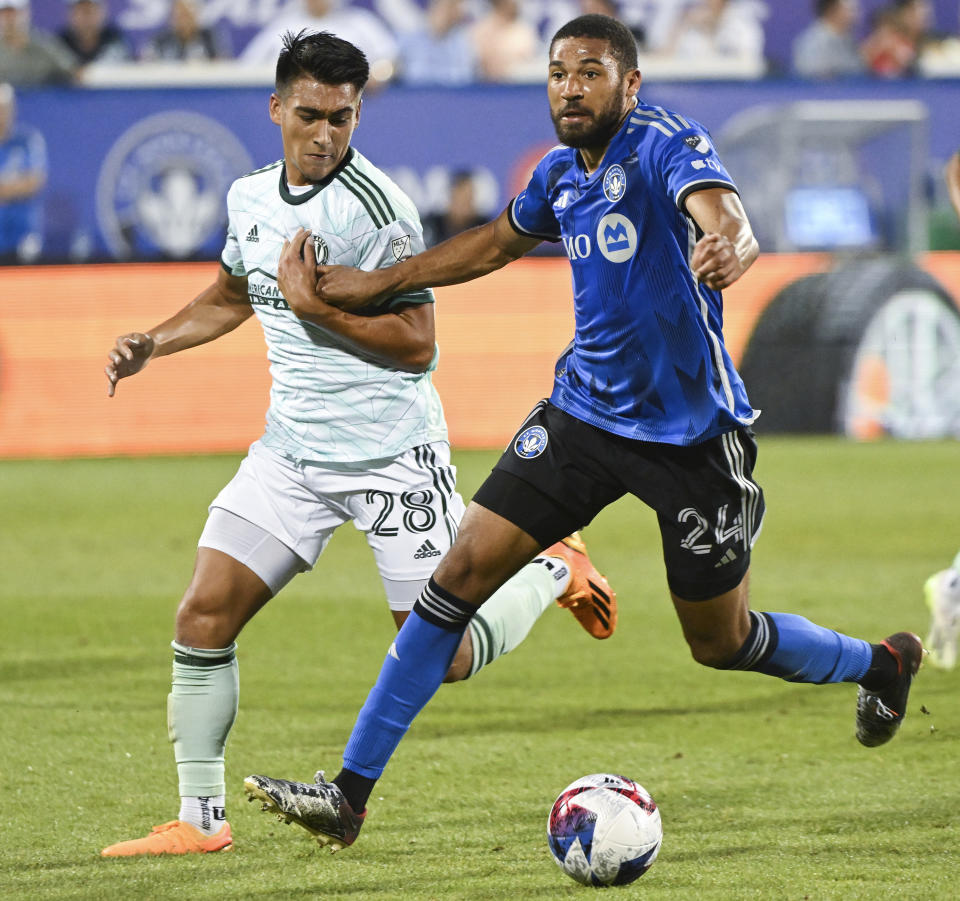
x,y
508,616
557,567
206,814
201,709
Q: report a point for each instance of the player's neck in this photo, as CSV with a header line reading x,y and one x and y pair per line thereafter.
x,y
592,157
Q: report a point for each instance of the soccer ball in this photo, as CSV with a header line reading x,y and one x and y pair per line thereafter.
x,y
604,830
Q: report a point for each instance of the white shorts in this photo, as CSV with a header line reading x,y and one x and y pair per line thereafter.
x,y
407,506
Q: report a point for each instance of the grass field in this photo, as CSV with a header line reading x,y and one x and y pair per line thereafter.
x,y
764,792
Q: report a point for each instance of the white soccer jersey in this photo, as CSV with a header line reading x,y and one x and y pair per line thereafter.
x,y
326,403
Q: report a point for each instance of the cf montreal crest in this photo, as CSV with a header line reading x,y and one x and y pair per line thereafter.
x,y
161,187
530,442
614,183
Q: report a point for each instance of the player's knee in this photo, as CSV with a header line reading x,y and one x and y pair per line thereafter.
x,y
715,651
204,619
460,571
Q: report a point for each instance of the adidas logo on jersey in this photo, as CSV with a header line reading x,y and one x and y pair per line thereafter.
x,y
427,549
728,557
252,235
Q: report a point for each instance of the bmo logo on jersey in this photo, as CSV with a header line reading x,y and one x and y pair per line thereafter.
x,y
616,239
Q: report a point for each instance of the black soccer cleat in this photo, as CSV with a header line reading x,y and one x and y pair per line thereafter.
x,y
880,713
320,808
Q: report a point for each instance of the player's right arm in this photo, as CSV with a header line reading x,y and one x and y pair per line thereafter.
x,y
464,257
214,312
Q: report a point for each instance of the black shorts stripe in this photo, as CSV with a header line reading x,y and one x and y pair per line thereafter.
x,y
443,482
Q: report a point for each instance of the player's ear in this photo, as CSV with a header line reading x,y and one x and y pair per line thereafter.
x,y
359,104
633,80
275,104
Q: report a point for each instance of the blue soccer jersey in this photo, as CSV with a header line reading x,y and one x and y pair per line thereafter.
x,y
648,360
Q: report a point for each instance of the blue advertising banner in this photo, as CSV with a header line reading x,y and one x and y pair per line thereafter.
x,y
142,174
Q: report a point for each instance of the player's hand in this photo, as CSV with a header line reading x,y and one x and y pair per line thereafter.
x,y
715,262
129,355
350,289
297,274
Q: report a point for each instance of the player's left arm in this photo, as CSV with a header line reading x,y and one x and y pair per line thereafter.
x,y
728,246
402,338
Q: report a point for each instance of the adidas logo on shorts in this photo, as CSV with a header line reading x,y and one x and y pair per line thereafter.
x,y
252,235
728,557
427,549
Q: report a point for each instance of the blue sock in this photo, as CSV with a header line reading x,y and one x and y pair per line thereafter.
x,y
414,668
795,649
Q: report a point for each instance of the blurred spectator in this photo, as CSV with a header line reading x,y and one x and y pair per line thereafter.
x,y
719,29
507,45
461,212
609,8
29,56
184,39
90,37
897,37
441,51
23,175
827,47
359,26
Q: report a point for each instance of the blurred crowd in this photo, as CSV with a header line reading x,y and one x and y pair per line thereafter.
x,y
430,42
457,42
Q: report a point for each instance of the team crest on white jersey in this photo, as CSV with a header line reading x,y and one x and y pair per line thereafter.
x,y
531,442
614,183
400,247
321,250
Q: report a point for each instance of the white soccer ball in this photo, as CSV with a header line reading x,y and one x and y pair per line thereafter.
x,y
604,830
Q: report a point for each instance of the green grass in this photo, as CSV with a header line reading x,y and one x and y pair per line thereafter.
x,y
764,792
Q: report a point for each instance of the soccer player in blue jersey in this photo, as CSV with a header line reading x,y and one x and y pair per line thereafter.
x,y
645,401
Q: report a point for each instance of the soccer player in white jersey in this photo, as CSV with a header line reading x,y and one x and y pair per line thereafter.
x,y
355,431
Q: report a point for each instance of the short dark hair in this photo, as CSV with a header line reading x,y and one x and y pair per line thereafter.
x,y
322,56
623,45
823,7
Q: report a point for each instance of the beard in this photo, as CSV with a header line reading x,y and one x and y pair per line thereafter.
x,y
595,131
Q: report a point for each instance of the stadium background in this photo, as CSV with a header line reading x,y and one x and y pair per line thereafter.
x,y
835,176
764,791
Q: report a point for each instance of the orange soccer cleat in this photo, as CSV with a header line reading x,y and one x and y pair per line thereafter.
x,y
589,596
175,837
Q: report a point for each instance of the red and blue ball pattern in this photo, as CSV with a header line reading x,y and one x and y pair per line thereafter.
x,y
604,830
